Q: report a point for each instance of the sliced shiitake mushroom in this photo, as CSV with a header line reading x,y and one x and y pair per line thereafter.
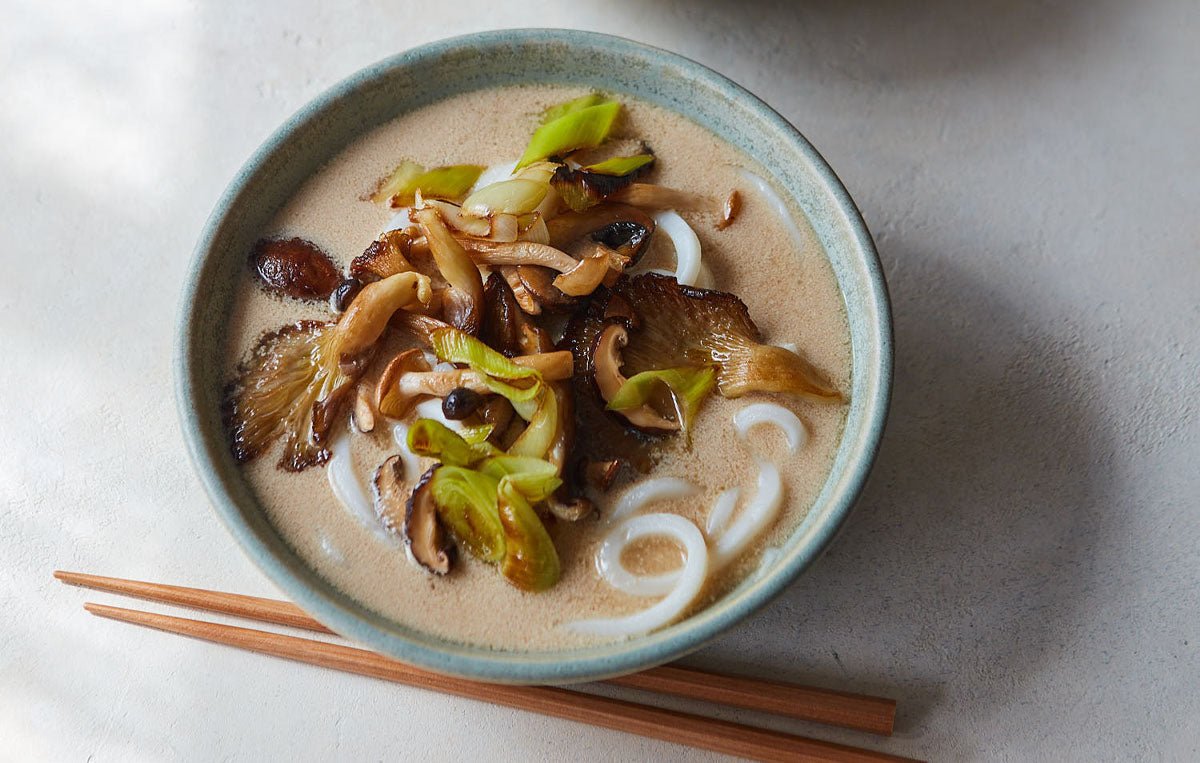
x,y
294,267
607,376
427,543
506,328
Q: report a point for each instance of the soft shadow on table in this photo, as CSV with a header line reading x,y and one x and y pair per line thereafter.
x,y
986,486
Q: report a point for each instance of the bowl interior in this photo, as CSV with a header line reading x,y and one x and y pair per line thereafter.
x,y
422,76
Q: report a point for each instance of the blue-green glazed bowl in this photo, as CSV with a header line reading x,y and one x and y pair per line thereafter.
x,y
430,73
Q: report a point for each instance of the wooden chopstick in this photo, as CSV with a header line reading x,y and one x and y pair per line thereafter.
x,y
855,711
657,723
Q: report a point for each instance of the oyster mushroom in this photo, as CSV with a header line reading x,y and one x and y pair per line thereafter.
x,y
462,302
386,256
539,283
659,197
607,376
518,253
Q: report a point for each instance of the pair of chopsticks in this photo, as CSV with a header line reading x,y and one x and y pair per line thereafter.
x,y
855,711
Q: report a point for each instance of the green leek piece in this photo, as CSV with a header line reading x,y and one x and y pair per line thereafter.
x,y
562,109
583,128
434,439
466,504
454,346
477,435
688,387
451,182
535,478
538,437
621,166
530,559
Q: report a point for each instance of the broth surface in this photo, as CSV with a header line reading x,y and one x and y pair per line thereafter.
x,y
787,284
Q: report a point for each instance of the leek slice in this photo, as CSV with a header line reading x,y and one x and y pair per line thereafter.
x,y
434,439
454,346
518,196
535,478
621,166
466,504
450,182
582,128
530,559
688,387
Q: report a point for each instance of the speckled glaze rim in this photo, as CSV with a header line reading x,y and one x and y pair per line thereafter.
x,y
471,62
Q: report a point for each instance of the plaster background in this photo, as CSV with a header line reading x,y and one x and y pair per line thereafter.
x,y
1023,570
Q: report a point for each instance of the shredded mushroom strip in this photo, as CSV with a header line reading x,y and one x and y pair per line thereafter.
x,y
689,582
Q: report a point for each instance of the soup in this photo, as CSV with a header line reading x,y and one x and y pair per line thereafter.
x,y
541,400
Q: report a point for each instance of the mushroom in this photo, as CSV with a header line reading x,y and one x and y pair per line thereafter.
x,y
518,253
463,300
539,283
523,296
606,370
659,197
364,408
587,274
294,267
424,539
460,403
388,399
505,327
572,226
383,257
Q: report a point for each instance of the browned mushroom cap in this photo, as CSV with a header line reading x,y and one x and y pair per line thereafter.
x,y
572,226
607,376
425,540
506,328
294,267
588,273
386,256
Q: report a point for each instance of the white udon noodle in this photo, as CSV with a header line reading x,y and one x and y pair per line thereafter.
x,y
728,535
689,580
349,489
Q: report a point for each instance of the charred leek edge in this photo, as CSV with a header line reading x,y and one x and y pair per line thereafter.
x,y
583,128
621,166
688,387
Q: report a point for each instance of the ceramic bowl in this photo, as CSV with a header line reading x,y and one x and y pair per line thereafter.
x,y
427,74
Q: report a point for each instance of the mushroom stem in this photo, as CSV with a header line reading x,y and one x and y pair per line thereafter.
x,y
518,253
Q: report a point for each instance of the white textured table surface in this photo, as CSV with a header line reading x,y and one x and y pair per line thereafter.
x,y
1023,571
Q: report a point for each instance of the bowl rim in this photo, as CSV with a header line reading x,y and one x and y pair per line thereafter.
x,y
506,666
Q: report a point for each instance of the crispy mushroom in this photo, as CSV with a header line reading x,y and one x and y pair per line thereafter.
x,y
607,376
386,256
388,399
587,274
659,197
294,267
505,327
595,222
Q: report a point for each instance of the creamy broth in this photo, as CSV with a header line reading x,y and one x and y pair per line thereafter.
x,y
780,272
